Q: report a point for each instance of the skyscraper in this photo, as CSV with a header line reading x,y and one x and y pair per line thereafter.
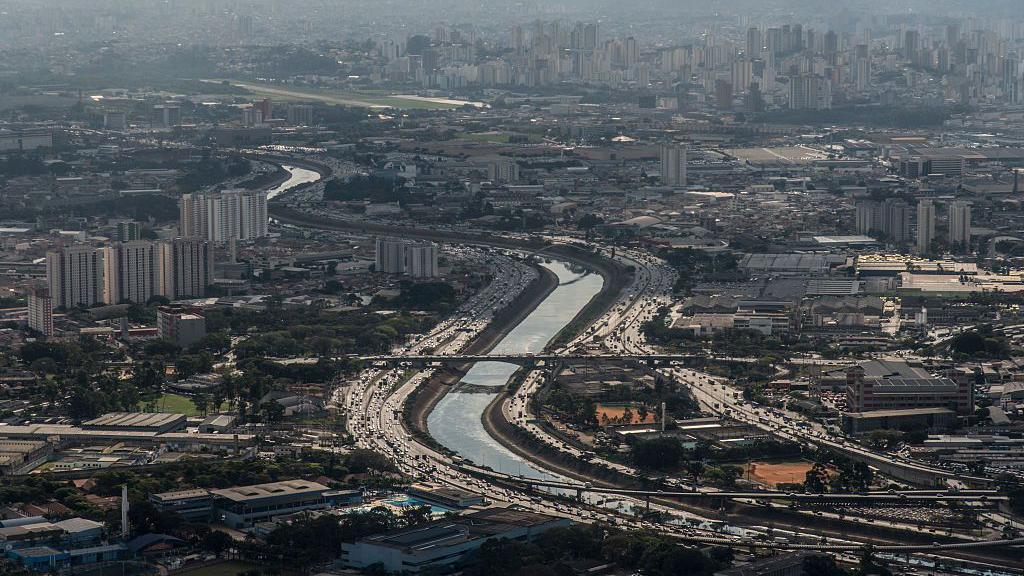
x,y
673,165
925,225
74,276
960,223
753,42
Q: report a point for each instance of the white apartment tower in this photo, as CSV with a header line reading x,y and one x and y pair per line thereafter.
x,y
186,268
925,225
959,223
130,272
74,276
421,260
397,256
673,165
40,311
221,216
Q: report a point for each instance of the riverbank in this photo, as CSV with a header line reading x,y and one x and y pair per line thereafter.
x,y
421,403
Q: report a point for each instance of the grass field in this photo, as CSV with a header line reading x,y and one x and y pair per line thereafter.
x,y
361,99
178,404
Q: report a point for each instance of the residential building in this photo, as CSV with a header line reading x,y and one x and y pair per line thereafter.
x,y
390,256
74,276
128,231
130,272
673,165
421,260
40,311
237,214
925,225
959,223
186,268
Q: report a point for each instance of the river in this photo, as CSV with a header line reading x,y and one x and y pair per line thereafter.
x,y
298,176
455,421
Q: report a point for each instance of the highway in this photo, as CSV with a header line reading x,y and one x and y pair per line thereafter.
x,y
374,401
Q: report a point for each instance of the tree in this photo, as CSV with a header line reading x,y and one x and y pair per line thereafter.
x,y
663,453
216,542
816,479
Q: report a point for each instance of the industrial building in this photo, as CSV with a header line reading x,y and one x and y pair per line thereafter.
x,y
445,543
243,506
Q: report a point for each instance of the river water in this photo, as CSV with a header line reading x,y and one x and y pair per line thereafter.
x,y
455,421
298,176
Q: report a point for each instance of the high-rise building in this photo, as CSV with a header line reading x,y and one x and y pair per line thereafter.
x,y
128,231
74,276
810,92
895,220
221,216
300,115
421,260
130,272
390,256
723,94
742,74
754,45
925,225
960,223
186,268
40,311
673,165
252,116
503,170
399,256
868,217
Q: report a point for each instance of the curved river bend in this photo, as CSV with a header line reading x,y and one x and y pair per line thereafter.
x,y
455,421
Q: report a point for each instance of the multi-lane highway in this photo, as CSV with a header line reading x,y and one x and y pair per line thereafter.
x,y
375,400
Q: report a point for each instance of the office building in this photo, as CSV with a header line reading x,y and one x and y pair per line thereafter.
x,y
960,224
180,324
237,214
673,165
74,276
186,268
130,272
753,42
40,311
442,545
242,506
925,225
900,385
